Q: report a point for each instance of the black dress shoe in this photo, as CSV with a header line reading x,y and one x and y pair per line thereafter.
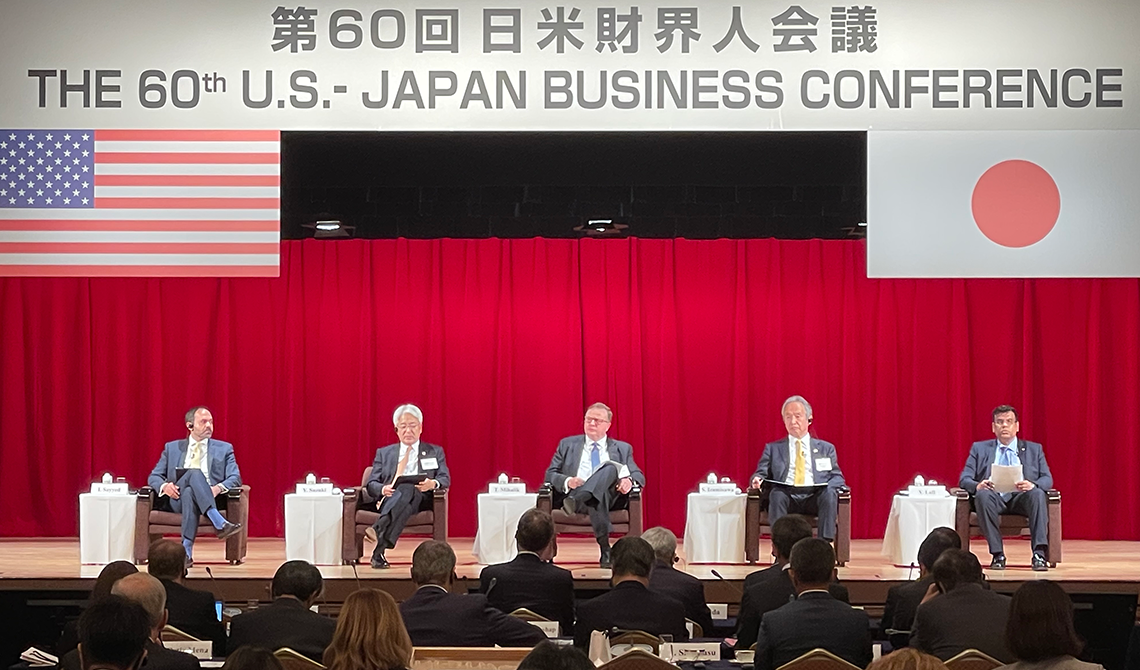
x,y
228,529
378,561
605,561
189,562
998,562
569,505
1039,563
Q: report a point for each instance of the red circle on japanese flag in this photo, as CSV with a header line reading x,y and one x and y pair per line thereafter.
x,y
1016,203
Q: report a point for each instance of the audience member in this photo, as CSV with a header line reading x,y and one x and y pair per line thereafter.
x,y
814,619
531,580
1039,632
680,586
630,605
252,658
907,659
288,621
771,588
435,617
111,573
958,613
903,600
550,656
191,611
370,634
113,633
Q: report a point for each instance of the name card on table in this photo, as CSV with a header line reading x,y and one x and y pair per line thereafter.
x,y
115,489
549,628
513,487
202,649
690,651
927,491
325,489
718,610
719,489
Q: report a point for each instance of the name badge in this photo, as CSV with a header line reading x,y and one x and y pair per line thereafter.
x,y
197,649
429,464
822,464
513,488
119,489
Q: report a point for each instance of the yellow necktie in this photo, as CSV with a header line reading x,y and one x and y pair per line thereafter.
x,y
801,466
196,456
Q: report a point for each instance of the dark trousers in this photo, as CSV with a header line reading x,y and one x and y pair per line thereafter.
x,y
821,502
194,498
1032,504
599,495
395,510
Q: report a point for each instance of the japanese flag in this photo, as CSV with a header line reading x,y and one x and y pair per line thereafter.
x,y
1003,203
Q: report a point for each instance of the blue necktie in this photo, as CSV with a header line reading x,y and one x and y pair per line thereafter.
x,y
1006,456
595,459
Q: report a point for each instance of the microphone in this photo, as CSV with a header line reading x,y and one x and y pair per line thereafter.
x,y
213,582
491,585
739,590
355,575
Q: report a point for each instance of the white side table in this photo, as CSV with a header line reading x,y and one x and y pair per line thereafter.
x,y
714,528
499,515
911,520
313,528
106,528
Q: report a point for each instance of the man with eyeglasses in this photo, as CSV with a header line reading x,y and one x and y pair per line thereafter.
x,y
593,474
402,476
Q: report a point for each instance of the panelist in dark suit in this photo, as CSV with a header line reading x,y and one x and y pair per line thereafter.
x,y
959,613
288,621
211,470
190,611
814,619
594,473
903,600
630,605
435,617
1029,499
800,460
674,583
398,502
530,580
771,588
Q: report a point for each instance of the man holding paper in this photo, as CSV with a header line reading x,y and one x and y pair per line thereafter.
x,y
402,475
1008,475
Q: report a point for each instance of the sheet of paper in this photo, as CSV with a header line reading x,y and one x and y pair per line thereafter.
x,y
1005,477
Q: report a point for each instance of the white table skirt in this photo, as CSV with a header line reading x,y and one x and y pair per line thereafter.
x,y
106,528
313,528
714,528
911,520
499,516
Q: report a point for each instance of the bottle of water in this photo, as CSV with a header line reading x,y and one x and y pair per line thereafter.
x,y
503,478
919,481
712,478
310,478
107,479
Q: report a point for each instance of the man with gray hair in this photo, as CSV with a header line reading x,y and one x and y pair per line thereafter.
x,y
670,581
402,476
802,471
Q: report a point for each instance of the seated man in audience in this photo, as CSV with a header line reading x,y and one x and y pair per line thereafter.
x,y
903,600
630,605
288,621
814,619
531,580
435,617
191,611
958,613
678,585
771,588
113,633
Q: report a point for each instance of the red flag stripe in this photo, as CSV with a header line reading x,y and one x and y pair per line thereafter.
x,y
139,248
141,270
187,203
188,157
188,135
187,180
140,225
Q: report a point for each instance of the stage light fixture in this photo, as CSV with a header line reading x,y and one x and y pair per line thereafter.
x,y
600,227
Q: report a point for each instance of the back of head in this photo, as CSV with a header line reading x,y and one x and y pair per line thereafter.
x,y
113,631
433,562
369,633
147,591
907,658
787,530
939,540
1040,624
299,579
111,573
535,531
633,557
252,658
166,559
812,561
663,542
956,567
550,656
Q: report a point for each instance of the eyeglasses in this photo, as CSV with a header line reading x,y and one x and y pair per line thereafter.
x,y
406,426
593,420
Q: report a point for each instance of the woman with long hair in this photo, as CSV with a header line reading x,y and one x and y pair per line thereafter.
x,y
370,634
1040,633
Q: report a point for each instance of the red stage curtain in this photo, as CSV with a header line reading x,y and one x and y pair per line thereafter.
x,y
695,344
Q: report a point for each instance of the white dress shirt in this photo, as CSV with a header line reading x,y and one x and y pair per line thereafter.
x,y
413,466
204,464
809,480
1014,459
585,469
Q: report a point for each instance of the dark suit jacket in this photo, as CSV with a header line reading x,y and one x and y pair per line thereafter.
x,y
630,606
686,589
193,612
902,603
1033,465
815,619
157,658
774,462
387,458
526,581
766,590
568,455
436,618
223,466
969,617
284,623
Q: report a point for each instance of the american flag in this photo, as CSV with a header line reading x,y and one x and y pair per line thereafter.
x,y
140,203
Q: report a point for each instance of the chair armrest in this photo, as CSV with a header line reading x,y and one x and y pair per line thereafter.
x,y
236,493
546,490
145,492
844,491
1053,495
959,493
635,492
